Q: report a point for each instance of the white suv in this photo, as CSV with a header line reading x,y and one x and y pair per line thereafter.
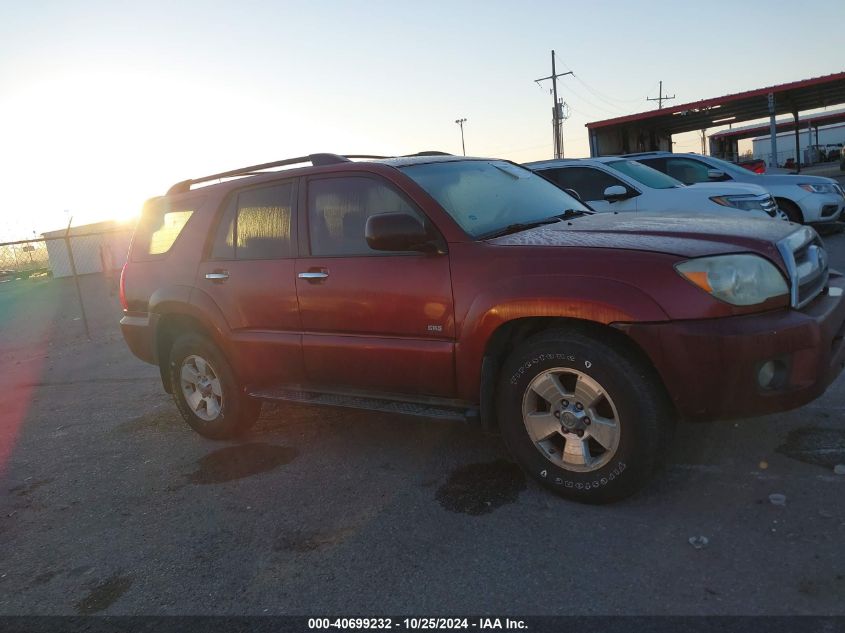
x,y
619,184
805,199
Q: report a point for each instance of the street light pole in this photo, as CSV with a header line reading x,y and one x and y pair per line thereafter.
x,y
461,123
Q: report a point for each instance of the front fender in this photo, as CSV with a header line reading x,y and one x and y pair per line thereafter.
x,y
593,299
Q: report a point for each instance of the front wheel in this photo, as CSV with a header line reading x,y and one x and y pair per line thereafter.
x,y
206,391
583,417
791,210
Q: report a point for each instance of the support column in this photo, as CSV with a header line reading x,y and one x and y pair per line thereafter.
x,y
797,142
773,131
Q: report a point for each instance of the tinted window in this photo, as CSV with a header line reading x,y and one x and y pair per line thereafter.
x,y
338,209
686,170
588,182
256,225
484,196
731,169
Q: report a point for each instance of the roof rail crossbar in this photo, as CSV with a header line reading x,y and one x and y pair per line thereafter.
x,y
314,159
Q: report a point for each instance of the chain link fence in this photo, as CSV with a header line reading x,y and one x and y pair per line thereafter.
x,y
81,264
24,258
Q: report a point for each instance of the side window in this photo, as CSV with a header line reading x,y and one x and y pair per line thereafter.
x,y
256,225
686,170
162,222
338,209
588,182
171,225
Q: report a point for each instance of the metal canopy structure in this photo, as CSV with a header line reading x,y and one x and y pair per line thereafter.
x,y
650,131
815,120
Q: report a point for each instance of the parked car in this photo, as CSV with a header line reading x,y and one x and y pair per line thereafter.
x,y
756,165
805,199
620,184
474,289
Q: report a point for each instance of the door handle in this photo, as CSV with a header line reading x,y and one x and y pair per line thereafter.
x,y
218,275
313,275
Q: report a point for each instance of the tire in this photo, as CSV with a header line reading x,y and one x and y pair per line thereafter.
x,y
791,210
220,409
632,399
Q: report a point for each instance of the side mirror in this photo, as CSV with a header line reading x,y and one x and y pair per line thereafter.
x,y
615,193
574,194
397,232
715,174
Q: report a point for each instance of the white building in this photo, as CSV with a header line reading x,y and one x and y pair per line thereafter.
x,y
88,242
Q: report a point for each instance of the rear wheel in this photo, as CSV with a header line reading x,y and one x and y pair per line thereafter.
x,y
584,418
206,392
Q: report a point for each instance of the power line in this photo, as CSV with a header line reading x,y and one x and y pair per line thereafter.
x,y
607,99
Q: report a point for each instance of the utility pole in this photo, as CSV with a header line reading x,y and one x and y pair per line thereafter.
x,y
556,109
660,98
461,123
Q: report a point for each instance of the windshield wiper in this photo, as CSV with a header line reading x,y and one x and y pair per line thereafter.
x,y
524,226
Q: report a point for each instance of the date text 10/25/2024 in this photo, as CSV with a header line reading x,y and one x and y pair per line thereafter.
x,y
430,624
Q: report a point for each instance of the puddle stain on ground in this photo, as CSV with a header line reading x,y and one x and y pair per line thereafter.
x,y
812,445
307,541
237,462
163,420
104,595
481,488
44,578
26,489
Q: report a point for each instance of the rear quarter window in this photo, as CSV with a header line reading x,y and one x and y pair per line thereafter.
x,y
162,222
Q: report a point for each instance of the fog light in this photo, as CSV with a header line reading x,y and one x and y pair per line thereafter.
x,y
766,374
772,374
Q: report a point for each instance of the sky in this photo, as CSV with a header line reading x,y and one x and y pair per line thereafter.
x,y
105,104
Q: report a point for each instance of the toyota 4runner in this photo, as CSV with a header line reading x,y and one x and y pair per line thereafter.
x,y
474,289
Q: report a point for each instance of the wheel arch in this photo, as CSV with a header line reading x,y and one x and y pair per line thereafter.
x,y
510,334
785,204
169,327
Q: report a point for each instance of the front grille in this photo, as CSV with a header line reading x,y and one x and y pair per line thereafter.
x,y
806,261
770,206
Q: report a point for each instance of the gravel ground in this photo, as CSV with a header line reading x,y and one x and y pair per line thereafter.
x,y
109,504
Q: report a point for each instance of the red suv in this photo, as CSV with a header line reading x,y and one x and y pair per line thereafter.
x,y
475,289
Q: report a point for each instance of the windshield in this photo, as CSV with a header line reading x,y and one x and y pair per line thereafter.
x,y
484,196
645,175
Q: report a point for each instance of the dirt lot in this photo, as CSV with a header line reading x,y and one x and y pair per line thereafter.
x,y
110,504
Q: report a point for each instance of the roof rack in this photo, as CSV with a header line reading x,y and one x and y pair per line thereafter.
x,y
427,153
317,160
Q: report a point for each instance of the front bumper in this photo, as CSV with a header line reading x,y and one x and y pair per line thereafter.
x,y
822,207
710,367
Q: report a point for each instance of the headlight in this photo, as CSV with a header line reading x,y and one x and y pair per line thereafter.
x,y
746,203
741,280
823,188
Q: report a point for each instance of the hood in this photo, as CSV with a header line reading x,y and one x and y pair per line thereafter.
x,y
794,179
729,188
659,232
